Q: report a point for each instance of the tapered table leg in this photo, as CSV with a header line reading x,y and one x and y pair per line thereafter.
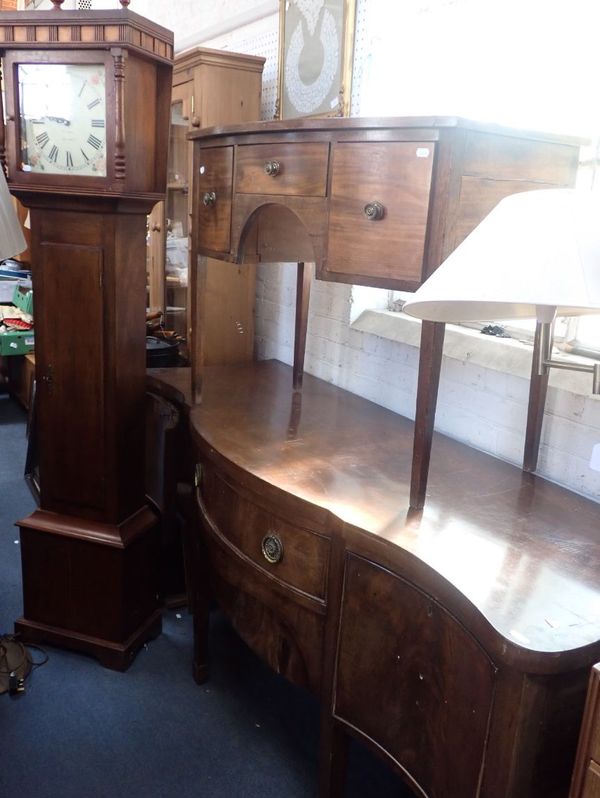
x,y
303,286
538,388
430,361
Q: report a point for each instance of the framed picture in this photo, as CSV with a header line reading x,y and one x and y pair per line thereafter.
x,y
316,39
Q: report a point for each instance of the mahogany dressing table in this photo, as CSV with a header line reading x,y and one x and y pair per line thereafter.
x,y
455,635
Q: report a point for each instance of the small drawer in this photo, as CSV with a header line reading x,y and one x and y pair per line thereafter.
x,y
212,198
379,209
292,554
292,169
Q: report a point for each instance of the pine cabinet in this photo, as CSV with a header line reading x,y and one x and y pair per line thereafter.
x,y
210,87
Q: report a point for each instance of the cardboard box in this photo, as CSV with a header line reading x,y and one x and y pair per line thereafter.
x,y
16,343
23,298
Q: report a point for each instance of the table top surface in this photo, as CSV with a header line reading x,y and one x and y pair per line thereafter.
x,y
525,552
333,124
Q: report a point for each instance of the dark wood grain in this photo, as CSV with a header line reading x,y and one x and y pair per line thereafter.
x,y
214,175
351,458
487,590
90,552
304,277
586,774
500,564
432,707
538,389
397,175
302,169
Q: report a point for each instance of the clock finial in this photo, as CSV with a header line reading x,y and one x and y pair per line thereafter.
x,y
124,3
57,4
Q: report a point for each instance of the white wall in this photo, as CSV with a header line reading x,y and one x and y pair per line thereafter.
x,y
483,388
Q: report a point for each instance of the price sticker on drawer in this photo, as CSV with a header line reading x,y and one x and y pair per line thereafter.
x,y
422,152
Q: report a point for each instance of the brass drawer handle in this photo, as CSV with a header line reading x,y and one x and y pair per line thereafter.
x,y
374,211
209,199
272,548
272,168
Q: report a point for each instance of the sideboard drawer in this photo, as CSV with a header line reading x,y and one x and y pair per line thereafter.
x,y
290,553
213,185
379,208
299,169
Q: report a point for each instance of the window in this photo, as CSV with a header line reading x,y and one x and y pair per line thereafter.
x,y
531,64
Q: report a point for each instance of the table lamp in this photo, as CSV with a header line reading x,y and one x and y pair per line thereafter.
x,y
12,240
536,255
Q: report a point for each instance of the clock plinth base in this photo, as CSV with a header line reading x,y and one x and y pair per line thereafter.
x,y
90,586
115,656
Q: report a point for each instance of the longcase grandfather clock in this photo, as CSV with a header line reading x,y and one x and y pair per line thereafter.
x,y
84,146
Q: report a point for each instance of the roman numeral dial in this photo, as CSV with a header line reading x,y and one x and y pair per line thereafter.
x,y
63,118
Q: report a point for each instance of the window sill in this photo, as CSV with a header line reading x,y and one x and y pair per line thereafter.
x,y
506,355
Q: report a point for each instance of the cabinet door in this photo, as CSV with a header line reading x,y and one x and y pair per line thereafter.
x,y
70,372
412,680
586,773
177,211
379,207
591,785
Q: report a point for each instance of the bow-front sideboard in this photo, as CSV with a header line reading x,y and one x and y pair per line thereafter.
x,y
454,632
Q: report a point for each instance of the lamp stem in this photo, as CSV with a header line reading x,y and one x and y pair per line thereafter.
x,y
544,350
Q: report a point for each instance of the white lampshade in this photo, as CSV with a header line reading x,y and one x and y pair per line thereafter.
x,y
536,254
12,240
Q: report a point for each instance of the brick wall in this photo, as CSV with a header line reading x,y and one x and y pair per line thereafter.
x,y
485,407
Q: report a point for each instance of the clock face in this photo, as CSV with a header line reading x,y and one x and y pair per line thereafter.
x,y
63,118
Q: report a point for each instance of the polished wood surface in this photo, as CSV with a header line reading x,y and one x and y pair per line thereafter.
x,y
445,172
391,174
452,636
378,202
90,552
301,169
432,710
476,617
352,458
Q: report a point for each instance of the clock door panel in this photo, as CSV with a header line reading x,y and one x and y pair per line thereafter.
x,y
69,357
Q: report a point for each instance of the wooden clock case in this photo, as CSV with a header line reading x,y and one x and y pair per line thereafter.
x,y
89,570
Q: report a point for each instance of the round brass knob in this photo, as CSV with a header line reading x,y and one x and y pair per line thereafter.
x,y
272,168
272,548
209,198
374,211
